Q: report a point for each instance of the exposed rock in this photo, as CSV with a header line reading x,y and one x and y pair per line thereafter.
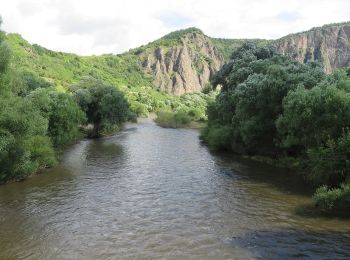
x,y
188,65
329,45
184,67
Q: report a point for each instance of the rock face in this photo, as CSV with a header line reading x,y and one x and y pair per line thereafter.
x,y
185,60
184,67
329,45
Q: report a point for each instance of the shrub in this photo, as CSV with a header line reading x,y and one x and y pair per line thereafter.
x,y
217,137
332,199
105,106
24,146
329,164
62,112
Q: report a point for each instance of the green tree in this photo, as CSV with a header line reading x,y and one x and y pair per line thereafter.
x,y
104,105
62,112
5,55
329,164
312,117
254,85
24,146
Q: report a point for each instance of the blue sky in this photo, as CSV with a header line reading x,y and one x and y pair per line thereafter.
x,y
112,26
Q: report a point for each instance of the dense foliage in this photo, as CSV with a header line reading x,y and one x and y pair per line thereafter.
x,y
190,111
104,105
24,145
63,70
62,112
272,106
38,114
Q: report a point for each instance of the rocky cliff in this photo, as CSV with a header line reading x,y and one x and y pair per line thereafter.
x,y
182,62
329,45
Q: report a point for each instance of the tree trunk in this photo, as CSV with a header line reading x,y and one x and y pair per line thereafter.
x,y
96,131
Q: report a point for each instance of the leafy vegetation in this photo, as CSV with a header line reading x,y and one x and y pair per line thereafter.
x,y
333,198
24,146
62,112
38,112
124,71
228,46
189,111
268,105
67,93
105,106
272,106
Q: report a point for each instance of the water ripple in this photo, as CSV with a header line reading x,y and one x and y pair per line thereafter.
x,y
150,193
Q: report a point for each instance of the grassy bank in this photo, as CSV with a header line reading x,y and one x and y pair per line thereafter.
x,y
180,119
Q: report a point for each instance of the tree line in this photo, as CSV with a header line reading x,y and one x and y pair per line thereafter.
x,y
270,105
36,119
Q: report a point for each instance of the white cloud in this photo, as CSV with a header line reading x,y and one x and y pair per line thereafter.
x,y
113,26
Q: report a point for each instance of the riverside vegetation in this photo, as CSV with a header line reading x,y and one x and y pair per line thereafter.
x,y
51,99
36,119
268,105
272,106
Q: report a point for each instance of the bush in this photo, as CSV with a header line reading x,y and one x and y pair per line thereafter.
x,y
177,119
329,164
332,199
217,137
254,85
105,106
62,112
24,146
312,117
167,119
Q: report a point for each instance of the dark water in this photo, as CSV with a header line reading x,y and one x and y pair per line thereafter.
x,y
150,193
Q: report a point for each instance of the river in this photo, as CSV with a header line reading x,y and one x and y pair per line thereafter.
x,y
150,193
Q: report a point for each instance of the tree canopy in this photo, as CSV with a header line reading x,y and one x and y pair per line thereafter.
x,y
105,106
273,106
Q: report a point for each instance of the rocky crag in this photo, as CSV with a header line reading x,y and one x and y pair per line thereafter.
x,y
187,63
184,67
329,45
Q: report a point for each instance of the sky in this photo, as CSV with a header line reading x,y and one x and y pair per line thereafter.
x,y
89,27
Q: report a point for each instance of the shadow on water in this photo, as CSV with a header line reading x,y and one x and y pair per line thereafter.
x,y
282,179
42,182
104,149
309,211
291,244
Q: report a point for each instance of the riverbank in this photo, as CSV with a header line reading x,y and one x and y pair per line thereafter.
x,y
167,119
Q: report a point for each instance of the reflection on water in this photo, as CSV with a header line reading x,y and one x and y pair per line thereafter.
x,y
150,192
286,244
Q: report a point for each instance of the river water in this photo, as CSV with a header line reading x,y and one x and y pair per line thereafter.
x,y
150,193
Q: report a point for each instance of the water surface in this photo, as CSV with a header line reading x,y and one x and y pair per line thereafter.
x,y
150,193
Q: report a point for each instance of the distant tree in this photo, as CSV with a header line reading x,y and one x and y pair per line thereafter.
x,y
104,105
